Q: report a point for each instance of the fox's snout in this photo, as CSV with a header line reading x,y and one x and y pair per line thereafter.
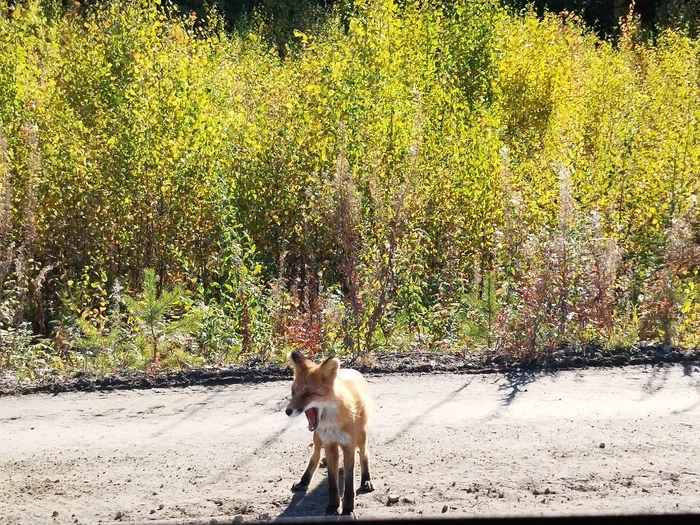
x,y
293,411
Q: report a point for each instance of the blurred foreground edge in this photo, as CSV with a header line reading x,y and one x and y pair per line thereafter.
x,y
600,519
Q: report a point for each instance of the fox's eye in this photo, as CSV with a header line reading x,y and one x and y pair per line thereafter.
x,y
307,394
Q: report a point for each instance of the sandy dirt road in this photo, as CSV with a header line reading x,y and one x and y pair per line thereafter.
x,y
600,440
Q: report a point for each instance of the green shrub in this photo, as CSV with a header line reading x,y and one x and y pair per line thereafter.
x,y
442,175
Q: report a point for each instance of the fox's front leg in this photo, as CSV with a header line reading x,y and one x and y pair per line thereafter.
x,y
349,473
303,483
332,457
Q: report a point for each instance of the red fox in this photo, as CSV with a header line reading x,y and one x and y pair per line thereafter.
x,y
338,405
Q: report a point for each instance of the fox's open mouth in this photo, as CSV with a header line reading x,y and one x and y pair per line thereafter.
x,y
312,416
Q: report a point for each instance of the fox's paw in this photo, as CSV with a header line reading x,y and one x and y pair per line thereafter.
x,y
350,514
300,487
331,511
365,487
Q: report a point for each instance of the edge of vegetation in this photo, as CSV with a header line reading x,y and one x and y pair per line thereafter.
x,y
655,354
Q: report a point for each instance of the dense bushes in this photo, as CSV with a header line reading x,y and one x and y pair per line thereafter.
x,y
456,177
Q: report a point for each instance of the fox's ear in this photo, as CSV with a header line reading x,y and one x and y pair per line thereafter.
x,y
329,368
298,361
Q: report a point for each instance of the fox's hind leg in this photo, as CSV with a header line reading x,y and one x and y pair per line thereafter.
x,y
365,477
303,483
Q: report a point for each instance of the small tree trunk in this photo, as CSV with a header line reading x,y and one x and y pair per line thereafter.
x,y
155,344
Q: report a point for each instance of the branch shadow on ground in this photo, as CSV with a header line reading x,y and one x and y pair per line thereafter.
x,y
279,407
428,410
686,409
186,414
689,368
516,380
265,444
657,379
249,457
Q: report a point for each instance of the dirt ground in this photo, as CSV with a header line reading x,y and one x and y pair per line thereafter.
x,y
617,440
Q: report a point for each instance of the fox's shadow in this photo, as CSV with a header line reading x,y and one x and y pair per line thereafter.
x,y
314,501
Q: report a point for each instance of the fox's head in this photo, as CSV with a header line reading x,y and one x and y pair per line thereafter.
x,y
312,388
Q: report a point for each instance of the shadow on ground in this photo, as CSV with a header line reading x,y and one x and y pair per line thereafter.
x,y
421,416
313,503
690,368
310,503
658,375
515,381
657,379
691,371
186,414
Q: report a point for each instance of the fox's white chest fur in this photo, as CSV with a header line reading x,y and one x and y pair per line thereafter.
x,y
332,434
328,429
